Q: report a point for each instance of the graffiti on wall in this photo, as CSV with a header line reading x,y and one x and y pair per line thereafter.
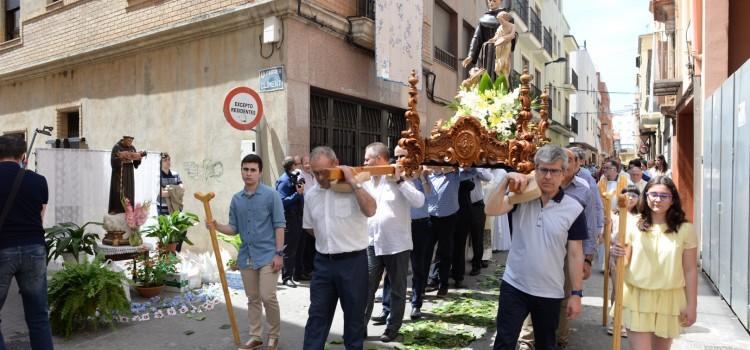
x,y
207,171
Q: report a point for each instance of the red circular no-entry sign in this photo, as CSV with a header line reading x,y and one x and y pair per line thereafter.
x,y
243,108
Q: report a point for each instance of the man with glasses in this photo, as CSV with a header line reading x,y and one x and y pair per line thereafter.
x,y
545,229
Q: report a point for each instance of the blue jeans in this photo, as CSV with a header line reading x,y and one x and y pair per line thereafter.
x,y
28,264
336,278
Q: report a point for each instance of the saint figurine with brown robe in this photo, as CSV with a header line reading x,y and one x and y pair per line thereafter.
x,y
482,53
125,159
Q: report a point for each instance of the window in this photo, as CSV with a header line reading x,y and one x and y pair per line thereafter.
x,y
468,35
525,63
444,35
12,19
69,123
348,125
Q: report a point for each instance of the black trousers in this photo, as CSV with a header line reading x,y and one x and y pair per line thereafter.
x,y
477,233
444,229
463,227
292,237
305,255
514,306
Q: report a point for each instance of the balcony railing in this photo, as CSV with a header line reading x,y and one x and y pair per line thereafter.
x,y
548,41
515,79
521,7
366,8
535,92
446,58
535,25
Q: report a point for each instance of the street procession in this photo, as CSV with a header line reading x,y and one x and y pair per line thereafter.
x,y
374,174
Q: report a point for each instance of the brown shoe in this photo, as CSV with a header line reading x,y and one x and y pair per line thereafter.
x,y
273,344
251,345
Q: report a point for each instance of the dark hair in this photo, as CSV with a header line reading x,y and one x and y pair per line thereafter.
x,y
675,214
634,163
253,158
288,163
632,189
164,155
664,164
12,147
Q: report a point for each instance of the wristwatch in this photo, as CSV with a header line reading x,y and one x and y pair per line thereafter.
x,y
400,181
280,253
357,186
577,292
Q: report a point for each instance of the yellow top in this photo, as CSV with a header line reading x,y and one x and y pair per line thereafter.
x,y
656,261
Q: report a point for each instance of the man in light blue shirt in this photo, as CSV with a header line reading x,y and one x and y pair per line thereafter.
x,y
257,214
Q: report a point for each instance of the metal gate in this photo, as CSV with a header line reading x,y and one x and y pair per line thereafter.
x,y
348,125
726,192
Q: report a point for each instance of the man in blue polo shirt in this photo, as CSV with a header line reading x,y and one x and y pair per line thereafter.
x,y
256,213
544,230
22,250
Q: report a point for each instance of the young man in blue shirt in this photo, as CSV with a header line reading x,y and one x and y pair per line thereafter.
x,y
257,215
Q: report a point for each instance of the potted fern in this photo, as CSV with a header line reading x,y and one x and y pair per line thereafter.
x,y
69,241
172,229
87,294
151,274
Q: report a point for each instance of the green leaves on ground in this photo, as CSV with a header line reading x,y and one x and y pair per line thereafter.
x,y
469,311
428,335
492,282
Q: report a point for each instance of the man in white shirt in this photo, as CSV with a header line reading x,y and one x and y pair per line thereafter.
x,y
338,221
389,236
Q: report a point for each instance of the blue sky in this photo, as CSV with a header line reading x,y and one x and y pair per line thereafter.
x,y
611,29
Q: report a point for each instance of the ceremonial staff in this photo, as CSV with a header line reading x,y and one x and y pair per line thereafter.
x,y
607,199
205,198
619,271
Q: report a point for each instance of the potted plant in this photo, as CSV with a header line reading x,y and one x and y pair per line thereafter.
x,y
172,229
135,216
85,294
150,274
236,242
69,240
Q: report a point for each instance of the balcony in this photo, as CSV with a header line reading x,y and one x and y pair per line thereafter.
x,y
521,8
446,58
366,8
363,26
535,26
562,129
548,41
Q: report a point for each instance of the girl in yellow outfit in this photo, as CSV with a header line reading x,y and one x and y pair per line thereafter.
x,y
661,280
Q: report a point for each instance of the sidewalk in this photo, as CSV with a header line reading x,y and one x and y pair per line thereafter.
x,y
716,328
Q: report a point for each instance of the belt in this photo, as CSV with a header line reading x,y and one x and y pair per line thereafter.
x,y
421,220
340,256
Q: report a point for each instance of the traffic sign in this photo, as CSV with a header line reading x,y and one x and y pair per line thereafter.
x,y
243,108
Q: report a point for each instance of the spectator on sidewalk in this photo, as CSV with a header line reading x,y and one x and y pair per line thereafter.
x,y
390,237
291,189
257,215
306,250
338,220
478,220
23,196
661,278
543,229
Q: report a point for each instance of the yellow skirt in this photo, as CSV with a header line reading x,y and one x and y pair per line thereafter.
x,y
653,310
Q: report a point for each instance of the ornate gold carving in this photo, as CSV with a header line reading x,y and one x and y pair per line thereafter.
x,y
467,143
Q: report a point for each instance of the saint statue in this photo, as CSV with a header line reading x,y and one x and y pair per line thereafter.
x,y
124,160
483,50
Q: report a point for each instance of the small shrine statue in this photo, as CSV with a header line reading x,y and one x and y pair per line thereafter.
x,y
506,32
124,160
482,50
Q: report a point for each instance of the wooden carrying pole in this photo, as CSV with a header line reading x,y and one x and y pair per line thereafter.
x,y
607,200
205,198
619,273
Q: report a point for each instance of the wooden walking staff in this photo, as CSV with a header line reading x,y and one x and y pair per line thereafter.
x,y
619,272
205,198
607,200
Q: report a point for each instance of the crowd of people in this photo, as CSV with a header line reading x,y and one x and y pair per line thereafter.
x,y
348,236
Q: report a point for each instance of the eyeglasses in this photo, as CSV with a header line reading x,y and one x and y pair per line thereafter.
x,y
548,171
654,195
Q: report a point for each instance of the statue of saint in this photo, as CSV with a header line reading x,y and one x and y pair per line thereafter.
x,y
506,32
482,49
124,160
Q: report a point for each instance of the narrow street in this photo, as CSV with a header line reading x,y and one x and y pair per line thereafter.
x,y
471,310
